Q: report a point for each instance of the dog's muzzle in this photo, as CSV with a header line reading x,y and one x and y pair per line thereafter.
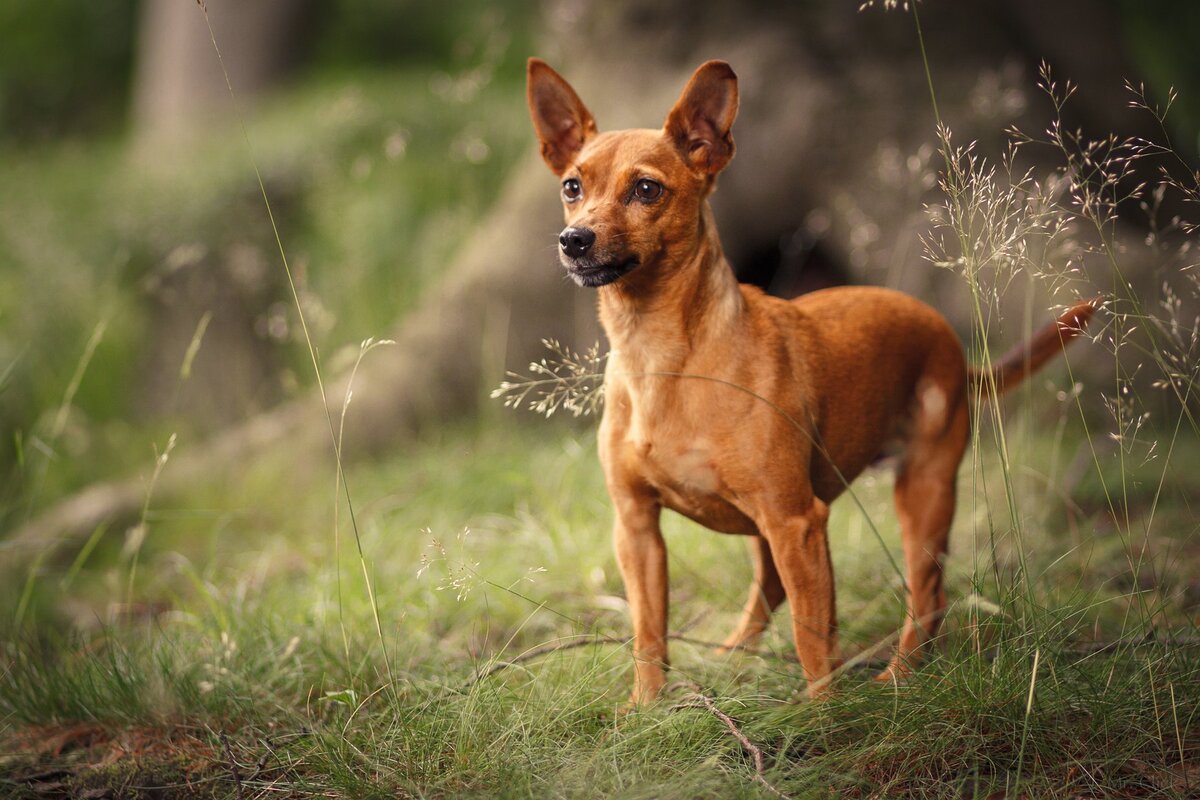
x,y
586,266
576,242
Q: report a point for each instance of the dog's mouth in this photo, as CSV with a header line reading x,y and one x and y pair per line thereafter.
x,y
591,273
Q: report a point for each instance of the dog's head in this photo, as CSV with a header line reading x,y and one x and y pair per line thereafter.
x,y
633,197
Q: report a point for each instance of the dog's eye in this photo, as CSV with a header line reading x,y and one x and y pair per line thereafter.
x,y
647,190
572,190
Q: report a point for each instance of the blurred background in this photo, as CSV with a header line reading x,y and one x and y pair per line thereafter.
x,y
143,291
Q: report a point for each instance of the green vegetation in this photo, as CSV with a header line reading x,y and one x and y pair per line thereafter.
x,y
483,545
372,179
228,645
64,67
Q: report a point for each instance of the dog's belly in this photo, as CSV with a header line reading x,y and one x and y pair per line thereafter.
x,y
688,483
710,511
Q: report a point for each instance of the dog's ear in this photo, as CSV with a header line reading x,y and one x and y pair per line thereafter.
x,y
701,121
560,119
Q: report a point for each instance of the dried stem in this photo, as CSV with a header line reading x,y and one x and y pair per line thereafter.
x,y
233,766
697,699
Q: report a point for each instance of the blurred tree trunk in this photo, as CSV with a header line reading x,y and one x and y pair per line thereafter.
x,y
835,161
180,96
179,85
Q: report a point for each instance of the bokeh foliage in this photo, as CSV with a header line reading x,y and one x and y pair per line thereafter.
x,y
376,159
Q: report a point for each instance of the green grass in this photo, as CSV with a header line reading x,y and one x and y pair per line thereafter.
x,y
230,647
486,542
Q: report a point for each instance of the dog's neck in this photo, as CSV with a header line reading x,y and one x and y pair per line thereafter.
x,y
662,310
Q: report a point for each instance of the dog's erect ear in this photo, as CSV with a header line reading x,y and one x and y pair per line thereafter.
x,y
702,118
561,120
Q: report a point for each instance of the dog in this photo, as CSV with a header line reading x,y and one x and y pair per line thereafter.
x,y
744,412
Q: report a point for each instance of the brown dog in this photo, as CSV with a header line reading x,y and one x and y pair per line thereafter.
x,y
747,413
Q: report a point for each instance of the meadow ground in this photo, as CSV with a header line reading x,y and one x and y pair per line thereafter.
x,y
234,650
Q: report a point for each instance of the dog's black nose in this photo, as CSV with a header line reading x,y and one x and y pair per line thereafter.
x,y
575,242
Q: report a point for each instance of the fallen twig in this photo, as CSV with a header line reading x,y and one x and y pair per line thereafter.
x,y
741,648
863,659
233,766
1151,639
541,650
261,764
706,702
586,641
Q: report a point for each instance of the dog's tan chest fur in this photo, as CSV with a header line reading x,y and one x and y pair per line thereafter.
x,y
648,433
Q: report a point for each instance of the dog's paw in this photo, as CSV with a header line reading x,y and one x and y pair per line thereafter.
x,y
893,673
738,640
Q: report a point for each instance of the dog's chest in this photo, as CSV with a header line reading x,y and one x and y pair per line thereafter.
x,y
689,482
679,454
686,468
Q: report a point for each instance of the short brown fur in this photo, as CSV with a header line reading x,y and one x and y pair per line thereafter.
x,y
747,413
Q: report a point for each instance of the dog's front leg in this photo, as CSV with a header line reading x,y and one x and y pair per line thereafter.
x,y
800,545
642,556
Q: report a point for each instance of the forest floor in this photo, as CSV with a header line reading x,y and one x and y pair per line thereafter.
x,y
230,645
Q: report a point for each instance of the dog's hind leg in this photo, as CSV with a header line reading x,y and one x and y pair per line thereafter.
x,y
924,495
766,593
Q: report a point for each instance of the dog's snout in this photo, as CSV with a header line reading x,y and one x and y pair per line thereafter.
x,y
575,242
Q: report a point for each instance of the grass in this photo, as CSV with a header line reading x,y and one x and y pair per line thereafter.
x,y
486,542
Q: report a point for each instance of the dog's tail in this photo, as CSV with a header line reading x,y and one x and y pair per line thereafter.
x,y
1026,358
